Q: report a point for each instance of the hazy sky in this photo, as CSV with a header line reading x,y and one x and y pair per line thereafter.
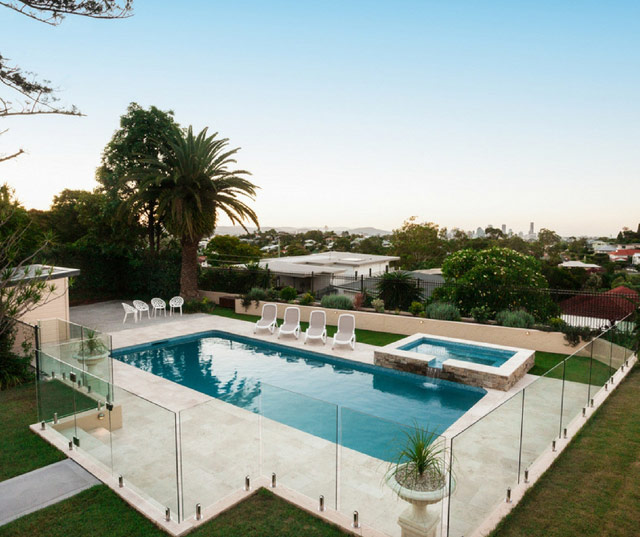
x,y
354,113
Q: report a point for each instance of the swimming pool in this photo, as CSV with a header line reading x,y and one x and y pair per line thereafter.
x,y
360,406
445,350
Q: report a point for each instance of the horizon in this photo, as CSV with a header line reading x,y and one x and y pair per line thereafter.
x,y
360,113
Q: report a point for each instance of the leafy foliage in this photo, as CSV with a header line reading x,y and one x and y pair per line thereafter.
x,y
194,184
480,314
230,250
234,280
421,453
337,302
287,294
497,278
307,299
378,305
419,245
515,319
255,295
416,308
442,311
398,290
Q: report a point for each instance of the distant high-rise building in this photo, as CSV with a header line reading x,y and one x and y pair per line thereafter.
x,y
504,229
531,228
479,232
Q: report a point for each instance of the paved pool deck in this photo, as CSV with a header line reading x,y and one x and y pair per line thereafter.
x,y
220,443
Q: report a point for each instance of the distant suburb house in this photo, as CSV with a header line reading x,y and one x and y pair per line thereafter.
x,y
54,304
318,271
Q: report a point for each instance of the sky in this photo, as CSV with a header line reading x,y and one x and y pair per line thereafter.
x,y
360,113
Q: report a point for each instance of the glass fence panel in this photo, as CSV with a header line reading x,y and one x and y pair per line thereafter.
x,y
601,352
576,384
299,442
485,463
620,340
220,446
143,443
542,414
55,391
368,447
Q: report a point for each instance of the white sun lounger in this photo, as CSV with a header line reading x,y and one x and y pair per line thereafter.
x,y
317,326
268,320
346,334
291,324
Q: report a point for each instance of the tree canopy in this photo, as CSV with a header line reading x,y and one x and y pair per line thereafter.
x,y
419,245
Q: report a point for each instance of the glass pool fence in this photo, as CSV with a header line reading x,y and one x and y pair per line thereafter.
x,y
204,454
505,447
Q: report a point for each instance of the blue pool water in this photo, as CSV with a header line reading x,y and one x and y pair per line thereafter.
x,y
362,407
443,350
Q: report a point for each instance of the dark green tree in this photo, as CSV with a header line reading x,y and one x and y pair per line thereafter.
x,y
419,245
230,250
125,166
398,290
195,184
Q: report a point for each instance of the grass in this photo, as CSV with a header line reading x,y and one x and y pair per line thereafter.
x,y
577,368
593,488
99,512
21,450
379,339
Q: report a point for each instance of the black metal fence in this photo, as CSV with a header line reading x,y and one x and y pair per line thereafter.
x,y
593,309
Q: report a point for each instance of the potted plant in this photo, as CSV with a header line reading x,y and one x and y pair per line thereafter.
x,y
419,475
92,350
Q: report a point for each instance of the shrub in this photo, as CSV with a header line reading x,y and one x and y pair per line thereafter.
x,y
398,289
307,299
443,311
358,301
556,324
255,294
288,294
480,314
515,319
337,302
199,306
272,294
573,334
416,308
378,305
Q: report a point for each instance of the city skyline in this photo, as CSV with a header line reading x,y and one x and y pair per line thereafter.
x,y
360,115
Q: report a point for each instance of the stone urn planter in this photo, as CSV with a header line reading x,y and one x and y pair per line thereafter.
x,y
416,520
92,351
420,477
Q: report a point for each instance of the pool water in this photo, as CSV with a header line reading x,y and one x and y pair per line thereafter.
x,y
360,406
444,350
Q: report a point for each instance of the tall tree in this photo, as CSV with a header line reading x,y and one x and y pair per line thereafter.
x,y
195,184
419,245
27,95
142,136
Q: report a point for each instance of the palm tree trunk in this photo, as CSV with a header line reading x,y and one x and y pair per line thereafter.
x,y
189,270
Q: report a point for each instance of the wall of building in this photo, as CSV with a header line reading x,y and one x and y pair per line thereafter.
x,y
54,305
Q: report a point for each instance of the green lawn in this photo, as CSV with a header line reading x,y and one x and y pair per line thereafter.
x,y
99,512
379,339
593,488
577,368
21,450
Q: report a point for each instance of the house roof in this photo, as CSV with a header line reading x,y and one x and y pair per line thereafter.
x,y
42,272
625,253
323,263
613,305
578,264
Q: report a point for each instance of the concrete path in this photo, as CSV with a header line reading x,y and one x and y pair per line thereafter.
x,y
32,491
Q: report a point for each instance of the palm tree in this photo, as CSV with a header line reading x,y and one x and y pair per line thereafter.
x,y
194,184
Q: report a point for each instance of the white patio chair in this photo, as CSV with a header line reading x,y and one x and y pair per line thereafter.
x,y
291,324
317,327
142,307
268,320
127,310
158,305
176,303
346,334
